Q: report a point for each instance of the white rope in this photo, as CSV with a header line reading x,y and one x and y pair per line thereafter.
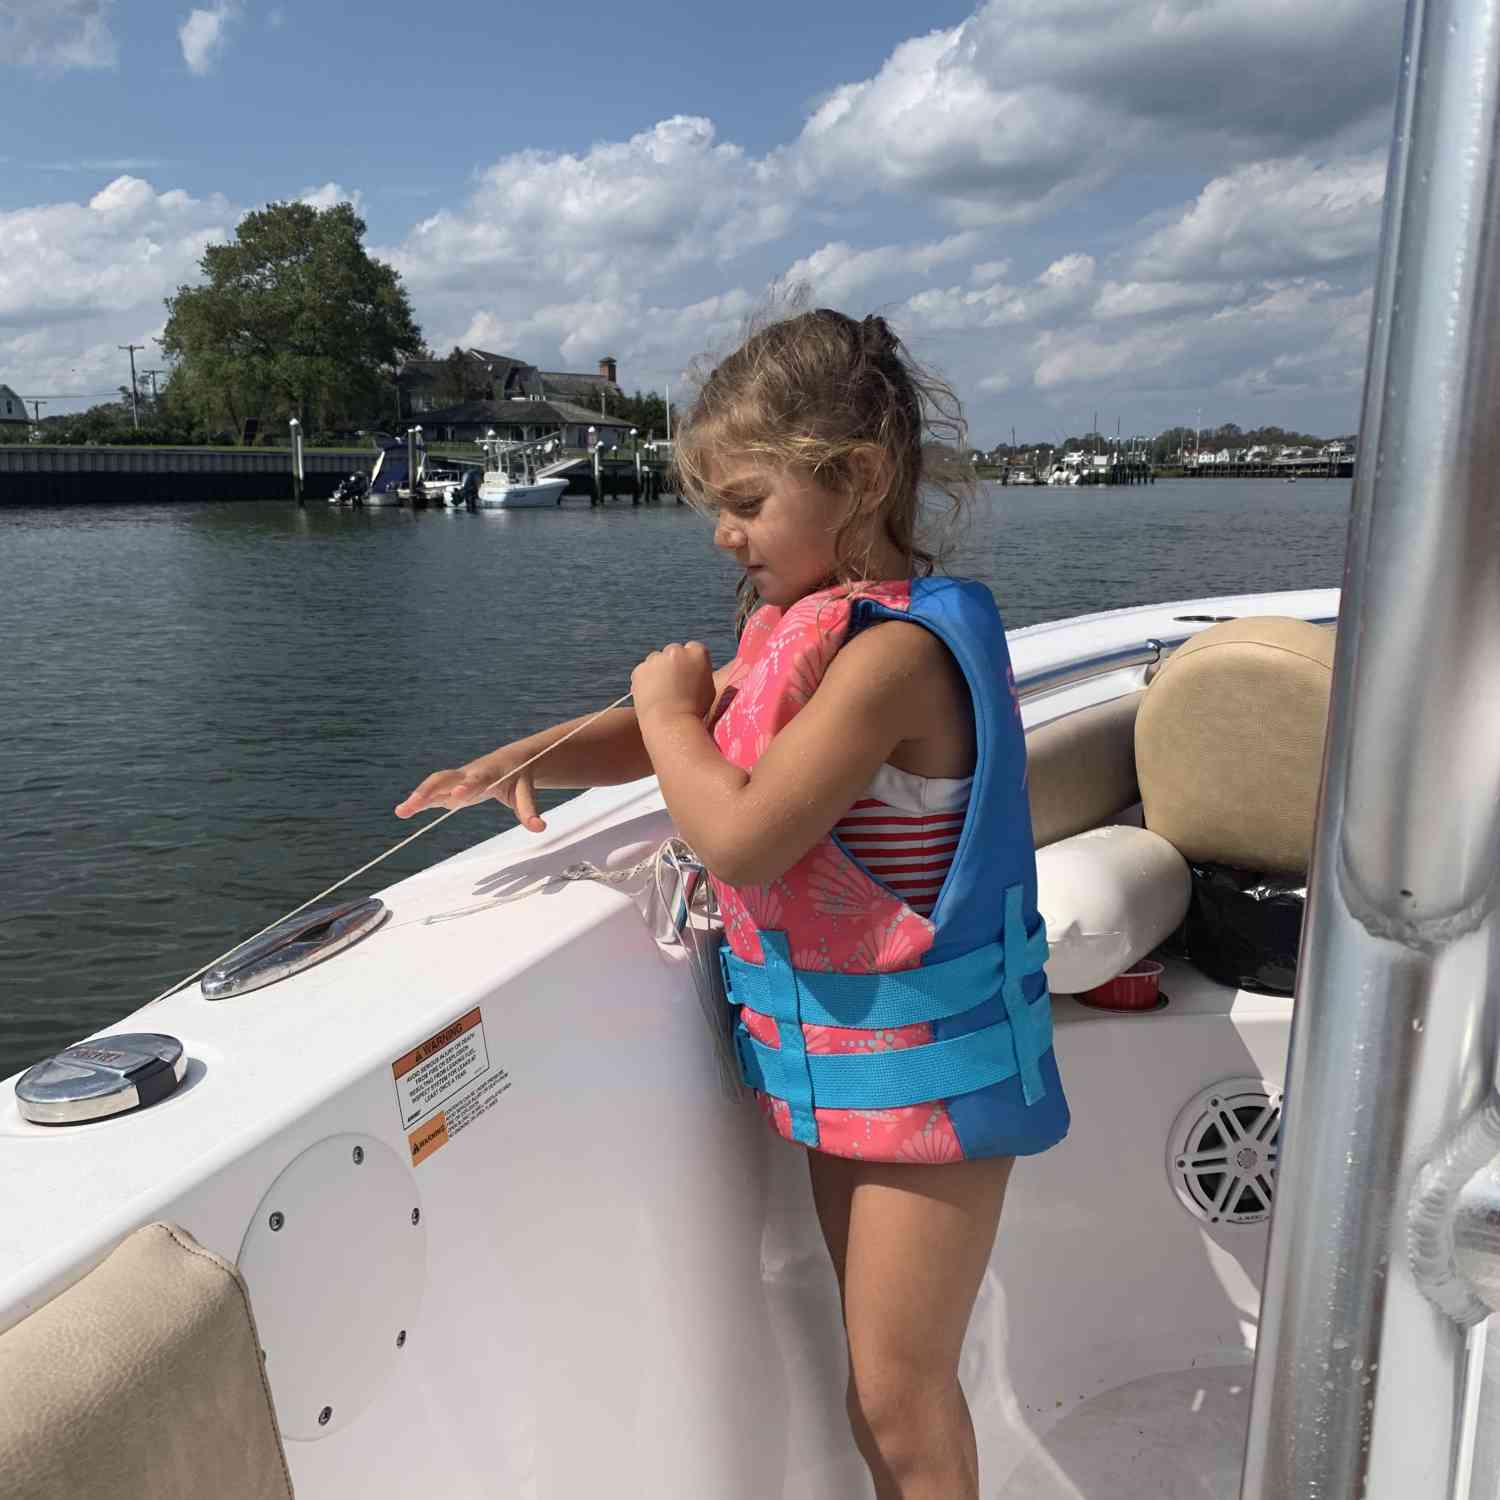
x,y
425,828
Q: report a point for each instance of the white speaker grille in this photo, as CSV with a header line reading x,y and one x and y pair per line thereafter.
x,y
1223,1150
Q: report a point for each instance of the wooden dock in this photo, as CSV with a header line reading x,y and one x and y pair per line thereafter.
x,y
640,477
1280,468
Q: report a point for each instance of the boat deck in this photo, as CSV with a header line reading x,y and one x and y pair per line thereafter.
x,y
1177,1436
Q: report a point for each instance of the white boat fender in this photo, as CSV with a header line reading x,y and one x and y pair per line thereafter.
x,y
1108,896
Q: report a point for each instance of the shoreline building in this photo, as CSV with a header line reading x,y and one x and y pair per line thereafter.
x,y
483,391
13,414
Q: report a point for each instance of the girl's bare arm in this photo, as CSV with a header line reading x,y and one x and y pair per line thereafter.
x,y
892,686
608,752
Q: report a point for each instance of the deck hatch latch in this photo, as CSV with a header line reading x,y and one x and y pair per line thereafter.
x,y
293,945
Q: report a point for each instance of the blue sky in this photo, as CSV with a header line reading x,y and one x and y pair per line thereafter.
x,y
1144,207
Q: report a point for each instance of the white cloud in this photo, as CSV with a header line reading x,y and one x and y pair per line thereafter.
x,y
837,271
1069,358
669,197
1274,218
330,195
643,336
1134,299
57,33
1029,103
128,246
205,34
629,245
1063,285
1304,334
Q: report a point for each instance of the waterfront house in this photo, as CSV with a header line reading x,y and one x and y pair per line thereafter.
x,y
431,385
521,419
13,414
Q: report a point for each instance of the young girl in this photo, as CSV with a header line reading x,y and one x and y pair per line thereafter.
x,y
855,783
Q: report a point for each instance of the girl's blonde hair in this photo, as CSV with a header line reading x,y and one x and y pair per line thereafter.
x,y
844,403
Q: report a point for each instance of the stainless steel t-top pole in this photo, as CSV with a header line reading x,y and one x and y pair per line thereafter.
x,y
1370,1354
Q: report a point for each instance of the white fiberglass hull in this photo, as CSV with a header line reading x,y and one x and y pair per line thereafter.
x,y
531,496
621,1288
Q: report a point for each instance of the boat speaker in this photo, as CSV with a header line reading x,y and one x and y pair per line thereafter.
x,y
1223,1150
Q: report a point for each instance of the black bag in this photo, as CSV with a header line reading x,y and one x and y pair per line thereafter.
x,y
1243,927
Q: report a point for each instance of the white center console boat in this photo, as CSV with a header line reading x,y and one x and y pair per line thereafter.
x,y
451,1197
511,481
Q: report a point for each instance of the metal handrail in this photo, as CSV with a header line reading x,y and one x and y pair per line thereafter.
x,y
1148,653
1034,684
1368,1382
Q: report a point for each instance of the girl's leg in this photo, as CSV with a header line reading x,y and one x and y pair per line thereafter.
x,y
833,1196
911,1248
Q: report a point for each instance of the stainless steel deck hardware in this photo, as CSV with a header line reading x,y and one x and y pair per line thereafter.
x,y
105,1076
293,945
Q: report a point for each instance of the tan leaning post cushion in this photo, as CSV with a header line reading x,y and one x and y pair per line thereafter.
x,y
1080,769
142,1381
1229,743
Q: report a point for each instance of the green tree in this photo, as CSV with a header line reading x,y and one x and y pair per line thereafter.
x,y
647,413
294,319
461,378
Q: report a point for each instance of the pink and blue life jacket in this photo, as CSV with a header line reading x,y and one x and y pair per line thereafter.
x,y
867,1029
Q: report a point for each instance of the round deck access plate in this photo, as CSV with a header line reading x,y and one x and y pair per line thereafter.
x,y
336,1261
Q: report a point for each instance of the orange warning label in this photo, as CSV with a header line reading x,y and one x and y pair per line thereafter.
x,y
408,1060
446,1083
425,1139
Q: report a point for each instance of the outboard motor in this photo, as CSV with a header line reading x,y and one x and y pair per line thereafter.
x,y
352,491
467,493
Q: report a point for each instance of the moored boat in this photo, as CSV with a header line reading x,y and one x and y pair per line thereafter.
x,y
499,492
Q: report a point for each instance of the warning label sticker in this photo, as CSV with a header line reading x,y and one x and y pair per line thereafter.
x,y
445,1084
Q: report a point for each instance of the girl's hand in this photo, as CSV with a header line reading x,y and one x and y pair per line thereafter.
x,y
466,785
676,679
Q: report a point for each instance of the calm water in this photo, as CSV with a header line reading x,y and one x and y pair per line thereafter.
x,y
209,710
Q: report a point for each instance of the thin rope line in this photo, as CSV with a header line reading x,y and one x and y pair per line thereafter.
x,y
172,989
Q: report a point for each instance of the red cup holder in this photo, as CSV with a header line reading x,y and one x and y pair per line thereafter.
x,y
1138,988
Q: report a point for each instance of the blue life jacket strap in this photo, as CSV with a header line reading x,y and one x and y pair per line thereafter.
x,y
893,1079
935,992
1030,1045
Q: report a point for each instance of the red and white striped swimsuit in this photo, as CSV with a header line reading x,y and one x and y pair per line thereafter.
x,y
905,830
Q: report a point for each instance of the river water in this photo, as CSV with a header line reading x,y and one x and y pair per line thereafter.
x,y
210,709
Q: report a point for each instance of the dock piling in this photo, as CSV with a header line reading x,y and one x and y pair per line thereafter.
x,y
297,474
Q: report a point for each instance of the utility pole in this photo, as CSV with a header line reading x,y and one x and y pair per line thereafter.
x,y
151,376
36,409
135,400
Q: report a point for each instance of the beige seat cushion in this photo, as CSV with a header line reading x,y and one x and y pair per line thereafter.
x,y
142,1381
1080,769
1229,743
